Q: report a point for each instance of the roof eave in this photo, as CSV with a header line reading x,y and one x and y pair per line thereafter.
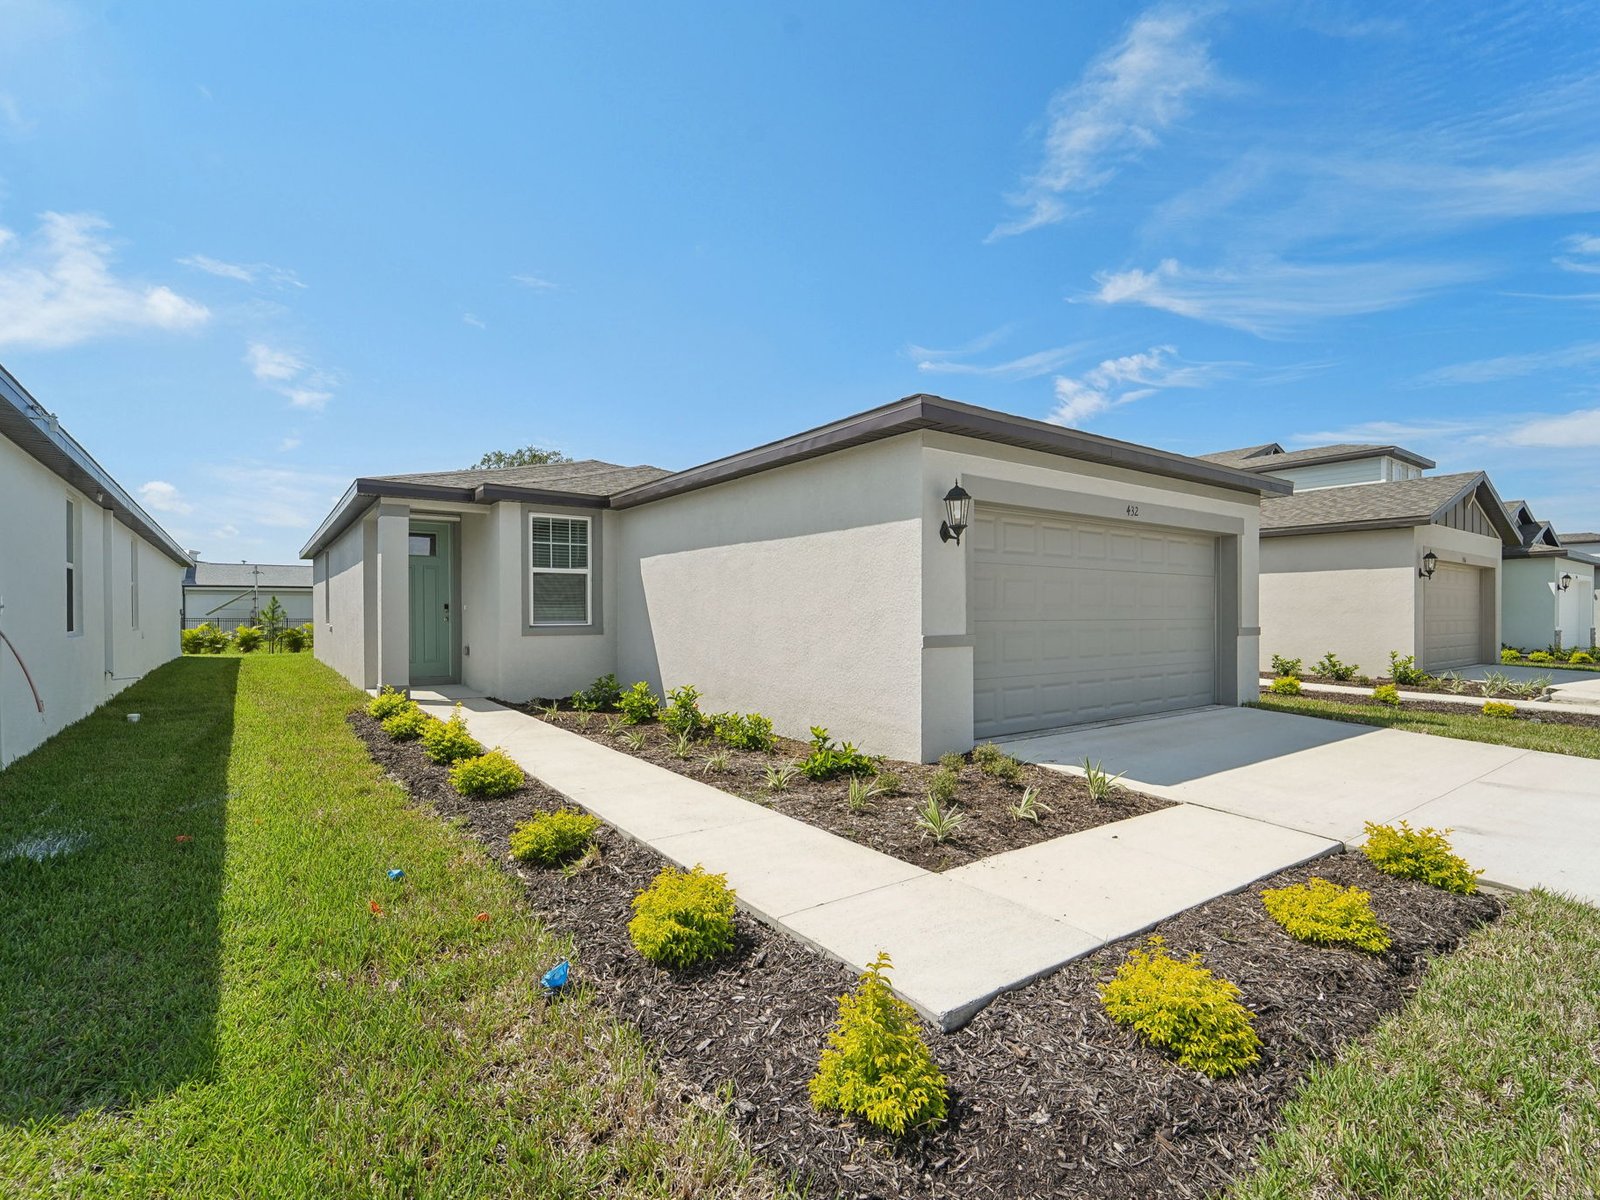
x,y
1346,526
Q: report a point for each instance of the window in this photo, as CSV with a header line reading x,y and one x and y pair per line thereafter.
x,y
559,570
133,578
422,545
327,587
72,567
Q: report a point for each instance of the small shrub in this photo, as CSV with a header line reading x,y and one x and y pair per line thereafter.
x,y
889,783
1508,655
639,704
683,918
489,775
751,731
986,755
1452,683
551,839
449,741
938,822
407,724
681,746
1495,683
1325,913
1286,685
1403,669
993,761
877,1066
1285,667
717,761
386,703
1499,708
1542,657
952,762
293,638
944,785
1387,693
827,760
682,714
1422,854
778,778
247,639
1030,806
600,696
203,639
635,740
1180,1006
862,794
1330,667
1100,784
613,727
1581,657
1527,689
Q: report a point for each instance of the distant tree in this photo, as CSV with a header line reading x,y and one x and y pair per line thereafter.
x,y
528,456
273,622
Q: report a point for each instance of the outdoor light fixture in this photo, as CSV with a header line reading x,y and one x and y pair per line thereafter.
x,y
957,508
1566,582
1430,561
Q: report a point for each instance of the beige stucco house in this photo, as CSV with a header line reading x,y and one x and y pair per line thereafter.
x,y
89,584
1371,555
1547,587
809,579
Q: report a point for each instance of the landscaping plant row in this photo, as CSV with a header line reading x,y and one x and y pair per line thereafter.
x,y
246,639
1403,671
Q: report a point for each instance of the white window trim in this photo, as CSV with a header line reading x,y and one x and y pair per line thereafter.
x,y
133,578
587,572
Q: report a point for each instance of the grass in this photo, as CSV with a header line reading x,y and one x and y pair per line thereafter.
x,y
1486,1085
1469,725
225,1016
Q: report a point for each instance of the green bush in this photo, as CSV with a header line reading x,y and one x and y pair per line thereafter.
x,y
247,639
292,639
1181,1007
1387,693
449,741
992,760
952,762
1541,656
407,724
1509,655
682,716
600,696
639,704
1285,685
1403,669
751,731
1499,708
487,776
944,785
1323,912
1285,667
204,639
551,839
1581,656
876,1065
683,918
827,760
1422,854
1329,666
386,703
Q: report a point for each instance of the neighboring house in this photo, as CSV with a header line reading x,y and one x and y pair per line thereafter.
x,y
808,579
1547,587
228,595
1346,560
89,584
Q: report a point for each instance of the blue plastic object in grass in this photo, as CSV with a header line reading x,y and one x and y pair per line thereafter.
x,y
553,980
396,874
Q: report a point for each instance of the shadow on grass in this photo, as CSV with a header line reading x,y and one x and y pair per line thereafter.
x,y
109,953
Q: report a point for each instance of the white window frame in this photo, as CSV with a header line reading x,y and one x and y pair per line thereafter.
x,y
133,579
74,578
586,571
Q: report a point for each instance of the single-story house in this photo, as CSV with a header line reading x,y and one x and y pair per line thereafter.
x,y
228,595
816,579
89,584
1371,555
1547,588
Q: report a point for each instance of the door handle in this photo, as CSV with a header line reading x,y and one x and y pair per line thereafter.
x,y
446,612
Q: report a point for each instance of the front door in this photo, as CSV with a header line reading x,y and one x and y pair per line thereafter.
x,y
432,563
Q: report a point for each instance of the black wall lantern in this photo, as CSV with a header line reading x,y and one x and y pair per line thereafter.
x,y
957,508
1430,563
1566,582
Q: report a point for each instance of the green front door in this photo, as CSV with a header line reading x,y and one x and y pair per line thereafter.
x,y
432,562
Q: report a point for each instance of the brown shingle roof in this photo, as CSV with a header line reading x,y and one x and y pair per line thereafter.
x,y
1243,455
1404,500
1338,452
589,477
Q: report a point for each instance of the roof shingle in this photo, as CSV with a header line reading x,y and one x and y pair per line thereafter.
x,y
1402,500
243,575
588,477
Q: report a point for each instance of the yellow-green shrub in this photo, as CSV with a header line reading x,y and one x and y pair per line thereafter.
x,y
407,723
1387,693
683,918
1286,685
1324,912
487,775
1508,655
1581,657
386,703
1499,708
449,741
551,839
876,1065
1180,1006
1541,656
1423,854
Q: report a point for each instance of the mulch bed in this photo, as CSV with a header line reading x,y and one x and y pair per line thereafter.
x,y
1550,714
1457,687
890,825
1048,1097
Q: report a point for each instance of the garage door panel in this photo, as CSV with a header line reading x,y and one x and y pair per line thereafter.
x,y
1452,617
1080,620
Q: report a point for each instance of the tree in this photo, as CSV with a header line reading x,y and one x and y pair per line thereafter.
x,y
527,456
273,622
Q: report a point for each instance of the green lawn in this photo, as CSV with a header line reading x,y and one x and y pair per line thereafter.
x,y
1486,1085
1470,725
226,1016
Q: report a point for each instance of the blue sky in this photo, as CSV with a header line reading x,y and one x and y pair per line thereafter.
x,y
248,252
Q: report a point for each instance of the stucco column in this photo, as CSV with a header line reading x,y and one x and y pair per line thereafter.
x,y
394,596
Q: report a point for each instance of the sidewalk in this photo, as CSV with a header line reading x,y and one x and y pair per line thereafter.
x,y
958,939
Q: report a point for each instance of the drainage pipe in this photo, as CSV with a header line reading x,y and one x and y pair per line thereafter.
x,y
37,702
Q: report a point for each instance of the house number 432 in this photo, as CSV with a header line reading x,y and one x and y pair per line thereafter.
x,y
1133,510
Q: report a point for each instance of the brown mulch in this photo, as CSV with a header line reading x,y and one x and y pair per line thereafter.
x,y
1048,1097
890,825
1460,687
1550,714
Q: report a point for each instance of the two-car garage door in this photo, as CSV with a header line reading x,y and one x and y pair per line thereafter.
x,y
1083,620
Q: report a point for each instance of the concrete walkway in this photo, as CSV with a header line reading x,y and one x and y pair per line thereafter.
x,y
1529,818
958,938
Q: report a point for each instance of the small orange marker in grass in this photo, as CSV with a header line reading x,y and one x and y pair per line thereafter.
x,y
183,837
481,917
377,909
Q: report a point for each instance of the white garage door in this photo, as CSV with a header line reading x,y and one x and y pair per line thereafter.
x,y
1079,620
1452,618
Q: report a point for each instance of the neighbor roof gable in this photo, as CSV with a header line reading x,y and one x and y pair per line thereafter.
x,y
1426,500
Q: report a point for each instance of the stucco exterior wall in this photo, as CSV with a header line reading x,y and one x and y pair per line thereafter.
x,y
1533,612
1351,593
74,672
796,592
343,600
227,607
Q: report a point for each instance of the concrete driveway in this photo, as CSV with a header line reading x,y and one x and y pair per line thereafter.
x,y
1526,817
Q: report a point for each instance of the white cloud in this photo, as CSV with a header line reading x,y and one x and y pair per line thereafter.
x,y
1271,297
1569,431
292,442
272,365
1583,254
1029,366
1515,366
160,496
1117,381
474,320
288,374
57,289
243,272
1397,433
1126,99
536,282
